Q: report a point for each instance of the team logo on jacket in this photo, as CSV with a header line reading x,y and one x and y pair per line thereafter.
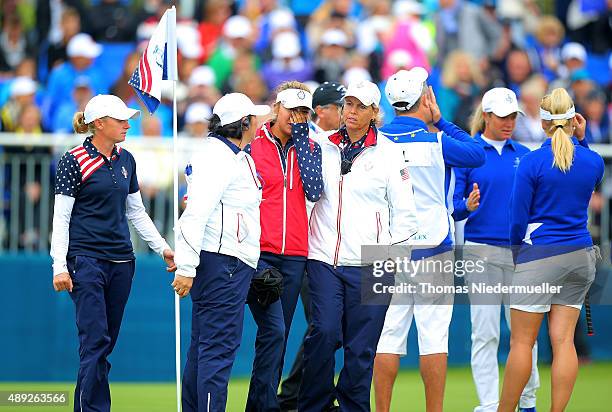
x,y
404,173
123,171
517,160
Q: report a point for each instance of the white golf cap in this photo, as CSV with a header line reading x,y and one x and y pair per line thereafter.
x,y
292,98
282,19
104,105
356,74
202,76
286,45
82,45
23,86
574,51
237,27
365,91
500,101
400,58
198,112
234,106
403,8
335,37
406,86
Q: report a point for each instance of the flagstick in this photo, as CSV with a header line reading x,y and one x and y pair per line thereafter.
x,y
177,304
171,38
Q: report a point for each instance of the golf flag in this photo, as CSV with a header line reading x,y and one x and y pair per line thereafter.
x,y
157,63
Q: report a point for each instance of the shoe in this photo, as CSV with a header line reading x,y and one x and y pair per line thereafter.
x,y
533,409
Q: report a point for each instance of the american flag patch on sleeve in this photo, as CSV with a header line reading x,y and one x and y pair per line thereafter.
x,y
404,173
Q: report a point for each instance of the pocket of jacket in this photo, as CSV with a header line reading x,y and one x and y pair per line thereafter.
x,y
242,231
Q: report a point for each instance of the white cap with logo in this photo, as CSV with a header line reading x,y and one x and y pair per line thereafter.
x,y
292,98
234,106
406,86
104,105
365,91
500,101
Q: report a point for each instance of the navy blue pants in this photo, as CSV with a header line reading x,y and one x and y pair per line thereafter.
x,y
273,324
339,318
100,291
218,294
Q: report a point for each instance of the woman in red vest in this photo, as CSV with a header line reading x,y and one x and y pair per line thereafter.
x,y
289,166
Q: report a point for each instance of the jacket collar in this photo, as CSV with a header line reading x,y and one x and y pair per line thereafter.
x,y
370,137
229,144
409,121
509,142
93,152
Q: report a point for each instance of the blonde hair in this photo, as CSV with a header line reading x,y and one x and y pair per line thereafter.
x,y
79,125
558,102
549,23
478,123
449,72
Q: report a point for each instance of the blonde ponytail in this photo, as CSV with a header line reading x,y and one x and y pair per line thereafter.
x,y
478,122
78,122
559,102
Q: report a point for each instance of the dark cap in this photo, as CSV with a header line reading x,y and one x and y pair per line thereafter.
x,y
328,93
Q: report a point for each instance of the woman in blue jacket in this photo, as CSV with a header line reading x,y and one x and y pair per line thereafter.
x,y
482,195
552,247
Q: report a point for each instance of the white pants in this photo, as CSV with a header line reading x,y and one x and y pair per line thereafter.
x,y
486,330
432,320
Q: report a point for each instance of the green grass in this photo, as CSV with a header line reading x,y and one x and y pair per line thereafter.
x,y
592,392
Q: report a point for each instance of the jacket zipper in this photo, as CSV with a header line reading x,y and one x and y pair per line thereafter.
x,y
280,159
378,227
338,220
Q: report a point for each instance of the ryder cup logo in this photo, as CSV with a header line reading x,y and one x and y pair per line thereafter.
x,y
301,95
124,172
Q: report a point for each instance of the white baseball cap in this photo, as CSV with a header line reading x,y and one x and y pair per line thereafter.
x,y
82,45
406,86
237,27
286,45
356,74
400,58
23,86
202,76
234,106
292,98
334,37
365,91
282,19
574,51
500,101
403,8
198,112
104,105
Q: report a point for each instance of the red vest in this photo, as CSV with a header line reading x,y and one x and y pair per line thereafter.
x,y
284,222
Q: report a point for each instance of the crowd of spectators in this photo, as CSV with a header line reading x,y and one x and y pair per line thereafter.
x,y
56,54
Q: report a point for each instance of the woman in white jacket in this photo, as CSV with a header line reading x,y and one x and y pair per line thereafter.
x,y
218,248
367,200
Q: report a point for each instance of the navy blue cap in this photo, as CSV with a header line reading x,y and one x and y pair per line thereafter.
x,y
328,93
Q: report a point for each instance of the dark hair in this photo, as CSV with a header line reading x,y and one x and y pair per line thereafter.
x,y
233,130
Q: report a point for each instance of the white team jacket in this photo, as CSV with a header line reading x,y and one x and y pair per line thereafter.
x,y
373,204
222,213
